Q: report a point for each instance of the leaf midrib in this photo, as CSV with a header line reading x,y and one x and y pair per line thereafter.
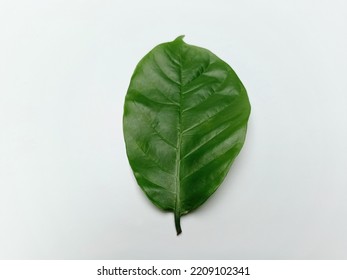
x,y
177,210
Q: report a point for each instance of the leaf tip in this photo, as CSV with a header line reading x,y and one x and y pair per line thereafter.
x,y
179,38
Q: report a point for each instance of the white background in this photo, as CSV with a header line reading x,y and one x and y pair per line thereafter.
x,y
66,188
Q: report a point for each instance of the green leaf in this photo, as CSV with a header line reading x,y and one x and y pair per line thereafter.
x,y
185,121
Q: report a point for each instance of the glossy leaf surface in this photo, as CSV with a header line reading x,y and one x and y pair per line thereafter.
x,y
185,120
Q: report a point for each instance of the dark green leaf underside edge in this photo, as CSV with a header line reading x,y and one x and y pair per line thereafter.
x,y
185,121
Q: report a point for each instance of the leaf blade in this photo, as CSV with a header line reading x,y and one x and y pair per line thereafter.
x,y
192,120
